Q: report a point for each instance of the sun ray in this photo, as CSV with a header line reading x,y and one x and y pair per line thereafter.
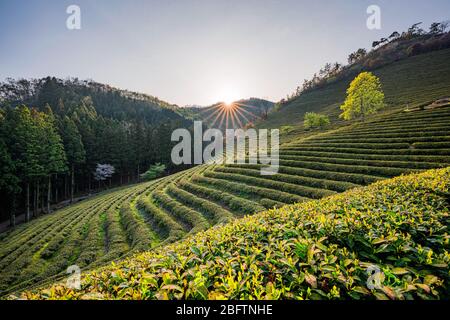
x,y
227,112
232,117
212,114
242,115
245,105
217,116
234,111
222,119
249,113
205,109
228,115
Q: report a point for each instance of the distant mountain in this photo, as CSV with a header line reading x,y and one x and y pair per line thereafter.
x,y
239,114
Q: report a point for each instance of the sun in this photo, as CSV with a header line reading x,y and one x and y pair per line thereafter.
x,y
228,96
228,102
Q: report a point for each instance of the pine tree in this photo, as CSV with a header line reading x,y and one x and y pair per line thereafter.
x,y
76,155
54,153
9,182
24,143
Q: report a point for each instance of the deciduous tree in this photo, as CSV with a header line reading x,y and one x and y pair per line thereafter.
x,y
364,97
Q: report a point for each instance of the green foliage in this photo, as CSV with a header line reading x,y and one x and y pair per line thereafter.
x,y
73,145
411,42
286,129
149,215
91,123
8,179
222,181
314,250
25,138
192,220
168,228
236,204
53,153
314,120
138,236
404,83
155,171
364,97
278,182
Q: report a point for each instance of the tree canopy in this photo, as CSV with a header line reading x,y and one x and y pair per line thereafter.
x,y
364,97
315,120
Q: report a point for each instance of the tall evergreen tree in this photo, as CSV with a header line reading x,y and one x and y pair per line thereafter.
x,y
25,144
76,155
54,153
9,182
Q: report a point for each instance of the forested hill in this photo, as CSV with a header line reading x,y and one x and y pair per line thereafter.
x,y
244,113
53,129
65,97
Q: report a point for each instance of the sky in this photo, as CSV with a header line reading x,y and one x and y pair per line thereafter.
x,y
196,51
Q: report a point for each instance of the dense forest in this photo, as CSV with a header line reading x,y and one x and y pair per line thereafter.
x,y
55,135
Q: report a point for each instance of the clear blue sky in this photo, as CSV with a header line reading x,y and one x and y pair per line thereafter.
x,y
192,51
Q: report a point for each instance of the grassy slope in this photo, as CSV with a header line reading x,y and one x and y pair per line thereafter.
x,y
415,80
315,250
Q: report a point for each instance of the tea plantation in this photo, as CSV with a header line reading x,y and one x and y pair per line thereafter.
x,y
319,249
150,215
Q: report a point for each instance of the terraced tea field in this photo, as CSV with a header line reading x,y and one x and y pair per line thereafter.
x,y
316,250
123,221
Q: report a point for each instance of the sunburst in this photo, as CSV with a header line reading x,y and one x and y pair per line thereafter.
x,y
229,115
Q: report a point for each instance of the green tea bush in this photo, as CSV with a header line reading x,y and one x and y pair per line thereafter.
x,y
221,181
291,155
359,162
409,151
372,173
187,194
192,220
314,120
237,204
138,234
253,177
268,203
162,223
385,139
319,249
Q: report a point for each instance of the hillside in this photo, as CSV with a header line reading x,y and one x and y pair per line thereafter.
x,y
316,250
240,114
64,96
90,124
412,81
153,214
